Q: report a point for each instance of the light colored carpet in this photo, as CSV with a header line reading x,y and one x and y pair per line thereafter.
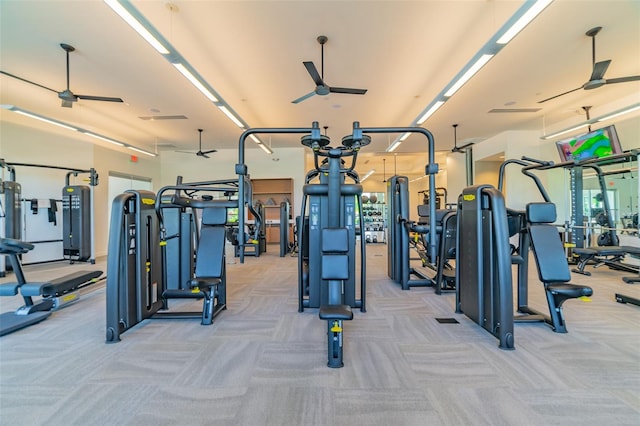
x,y
263,363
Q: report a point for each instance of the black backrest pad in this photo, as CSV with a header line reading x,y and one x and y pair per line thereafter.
x,y
210,253
547,246
214,216
541,212
335,261
335,240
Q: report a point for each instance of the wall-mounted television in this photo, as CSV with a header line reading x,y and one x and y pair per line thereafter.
x,y
596,144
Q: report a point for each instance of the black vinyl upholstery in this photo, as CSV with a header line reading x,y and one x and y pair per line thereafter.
x,y
553,268
210,263
335,268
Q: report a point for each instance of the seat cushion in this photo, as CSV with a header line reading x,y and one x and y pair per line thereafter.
x,y
570,290
336,312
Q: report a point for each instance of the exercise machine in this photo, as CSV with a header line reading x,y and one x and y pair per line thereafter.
x,y
333,242
405,234
76,204
484,290
323,209
137,265
53,294
327,275
534,228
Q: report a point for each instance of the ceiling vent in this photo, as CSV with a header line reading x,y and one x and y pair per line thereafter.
x,y
163,117
505,110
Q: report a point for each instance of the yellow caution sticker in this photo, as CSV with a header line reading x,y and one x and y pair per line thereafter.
x,y
569,245
70,190
336,329
163,243
468,197
195,290
585,299
149,201
69,298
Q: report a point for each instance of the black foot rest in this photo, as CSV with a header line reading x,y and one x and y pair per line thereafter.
x,y
9,289
336,312
570,291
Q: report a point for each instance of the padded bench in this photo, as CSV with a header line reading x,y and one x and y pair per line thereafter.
x,y
606,255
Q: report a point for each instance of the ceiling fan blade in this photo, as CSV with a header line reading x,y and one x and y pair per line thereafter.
x,y
209,151
27,81
623,79
302,98
313,72
99,98
599,68
347,90
202,154
561,94
186,152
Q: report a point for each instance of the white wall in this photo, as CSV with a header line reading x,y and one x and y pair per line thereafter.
x,y
22,144
221,165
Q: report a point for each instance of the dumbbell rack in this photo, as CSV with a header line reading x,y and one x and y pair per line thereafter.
x,y
374,216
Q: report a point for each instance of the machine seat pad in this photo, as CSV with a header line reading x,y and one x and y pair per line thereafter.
x,y
204,282
570,290
449,274
601,251
585,251
631,250
59,286
336,312
9,289
69,282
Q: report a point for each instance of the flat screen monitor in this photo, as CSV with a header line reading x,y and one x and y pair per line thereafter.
x,y
596,144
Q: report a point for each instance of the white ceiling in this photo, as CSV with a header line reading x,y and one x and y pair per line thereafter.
x,y
251,52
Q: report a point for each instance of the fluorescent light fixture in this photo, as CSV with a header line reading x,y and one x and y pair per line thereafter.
x,y
562,132
111,141
366,176
619,113
126,10
137,26
46,120
142,151
231,116
404,137
605,117
184,71
260,144
482,60
430,112
520,19
72,128
394,145
265,148
523,21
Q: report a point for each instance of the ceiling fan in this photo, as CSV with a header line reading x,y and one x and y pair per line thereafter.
x,y
200,152
597,74
457,148
322,88
67,96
